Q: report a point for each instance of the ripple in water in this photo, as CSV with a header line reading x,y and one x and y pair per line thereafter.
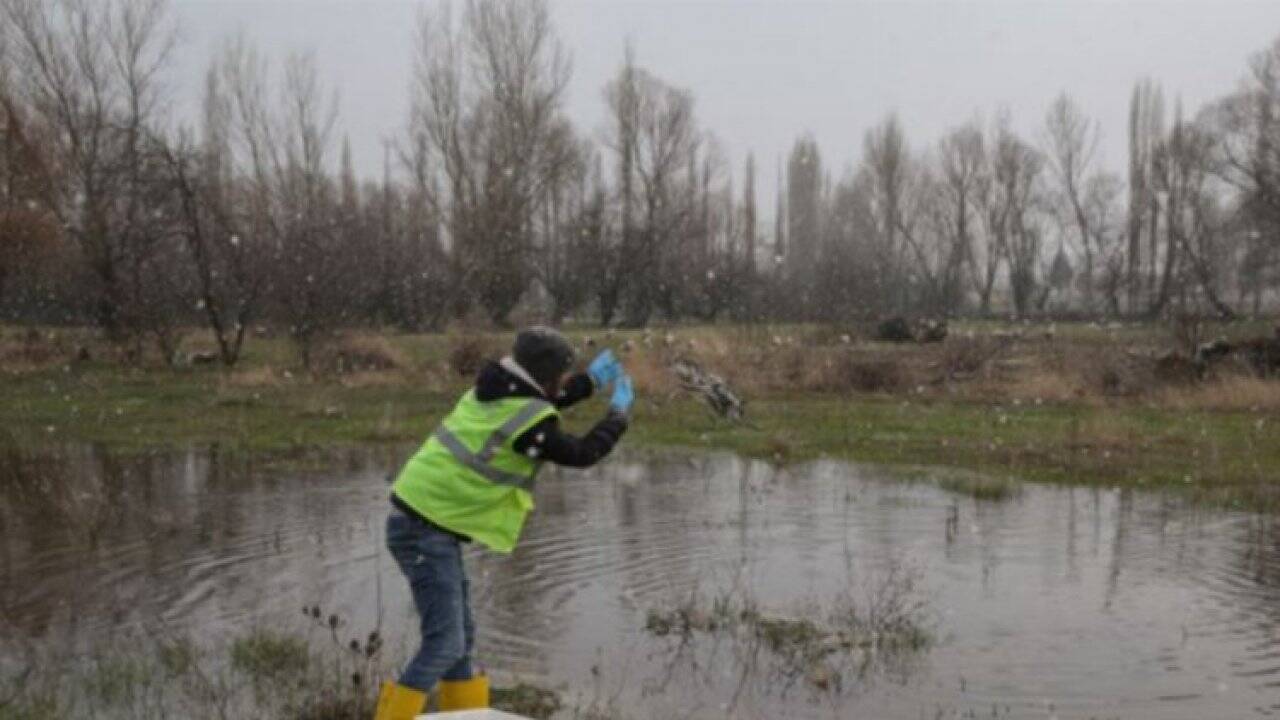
x,y
1067,602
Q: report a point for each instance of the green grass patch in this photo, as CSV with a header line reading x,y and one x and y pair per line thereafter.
x,y
526,700
1231,457
285,673
269,656
841,638
991,488
1222,456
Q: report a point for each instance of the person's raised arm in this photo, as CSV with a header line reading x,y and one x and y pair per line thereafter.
x,y
546,441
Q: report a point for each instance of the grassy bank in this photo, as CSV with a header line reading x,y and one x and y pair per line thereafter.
x,y
1076,407
300,671
319,667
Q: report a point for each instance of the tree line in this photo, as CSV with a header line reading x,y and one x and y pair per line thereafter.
x,y
114,214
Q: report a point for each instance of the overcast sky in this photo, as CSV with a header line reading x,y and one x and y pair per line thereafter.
x,y
765,71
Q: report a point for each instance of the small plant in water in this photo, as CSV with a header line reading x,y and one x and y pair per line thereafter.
x,y
981,487
784,636
269,655
849,639
527,700
276,673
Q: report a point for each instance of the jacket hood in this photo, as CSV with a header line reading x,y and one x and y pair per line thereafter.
x,y
496,382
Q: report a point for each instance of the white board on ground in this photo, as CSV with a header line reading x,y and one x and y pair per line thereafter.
x,y
472,715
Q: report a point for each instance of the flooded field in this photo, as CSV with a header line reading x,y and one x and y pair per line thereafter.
x,y
689,586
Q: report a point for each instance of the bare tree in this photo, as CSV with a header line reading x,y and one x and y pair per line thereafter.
x,y
224,255
1193,222
91,76
28,232
276,141
887,161
431,279
780,218
258,214
1017,169
964,177
622,96
1102,206
1248,128
488,97
926,233
1072,142
804,219
922,226
308,287
715,283
995,213
568,217
846,273
749,231
1146,133
654,137
602,248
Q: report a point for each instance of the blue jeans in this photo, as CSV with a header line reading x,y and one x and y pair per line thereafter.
x,y
432,561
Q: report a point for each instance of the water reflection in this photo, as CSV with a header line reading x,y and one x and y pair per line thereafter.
x,y
1078,602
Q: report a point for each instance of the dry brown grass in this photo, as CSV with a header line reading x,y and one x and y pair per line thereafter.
x,y
1233,392
361,352
254,377
974,364
1111,372
969,357
649,371
430,379
1036,383
33,349
772,369
784,364
848,371
378,378
469,350
1032,369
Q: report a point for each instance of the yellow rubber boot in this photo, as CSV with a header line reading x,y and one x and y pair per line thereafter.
x,y
397,702
470,694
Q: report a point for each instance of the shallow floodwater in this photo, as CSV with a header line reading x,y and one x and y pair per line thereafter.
x,y
1060,602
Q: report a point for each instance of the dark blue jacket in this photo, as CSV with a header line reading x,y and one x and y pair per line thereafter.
x,y
546,440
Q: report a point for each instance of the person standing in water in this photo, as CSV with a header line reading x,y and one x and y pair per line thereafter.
x,y
473,480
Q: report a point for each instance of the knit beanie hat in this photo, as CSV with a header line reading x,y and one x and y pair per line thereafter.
x,y
543,352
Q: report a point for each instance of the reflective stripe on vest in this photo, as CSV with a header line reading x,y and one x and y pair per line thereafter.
x,y
510,427
479,462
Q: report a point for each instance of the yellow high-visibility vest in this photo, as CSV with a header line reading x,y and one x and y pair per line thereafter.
x,y
467,477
